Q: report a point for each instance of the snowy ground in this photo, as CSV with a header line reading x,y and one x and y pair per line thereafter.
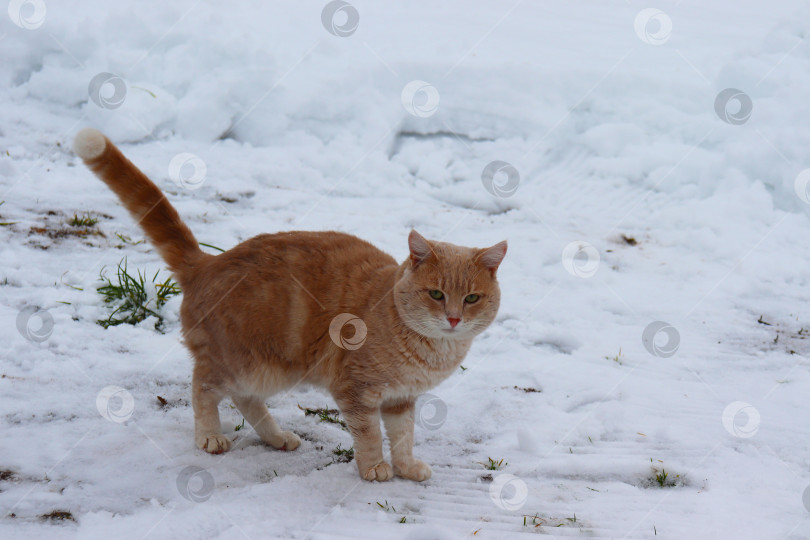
x,y
614,130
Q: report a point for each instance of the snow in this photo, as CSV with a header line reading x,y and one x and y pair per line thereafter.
x,y
255,117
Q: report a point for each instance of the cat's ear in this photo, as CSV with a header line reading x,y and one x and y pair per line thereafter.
x,y
491,257
420,248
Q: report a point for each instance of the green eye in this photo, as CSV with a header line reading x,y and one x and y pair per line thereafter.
x,y
471,298
436,295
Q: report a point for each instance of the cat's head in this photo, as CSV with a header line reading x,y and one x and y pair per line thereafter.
x,y
448,291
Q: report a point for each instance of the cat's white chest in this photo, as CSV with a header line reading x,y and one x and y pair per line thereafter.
x,y
430,364
448,352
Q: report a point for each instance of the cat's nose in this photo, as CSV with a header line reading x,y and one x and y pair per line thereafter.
x,y
453,321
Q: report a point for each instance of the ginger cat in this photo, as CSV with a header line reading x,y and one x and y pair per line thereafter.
x,y
266,315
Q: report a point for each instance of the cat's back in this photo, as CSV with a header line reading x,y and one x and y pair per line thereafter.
x,y
307,249
319,261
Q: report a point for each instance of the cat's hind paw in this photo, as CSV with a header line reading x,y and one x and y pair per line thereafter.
x,y
413,470
286,440
380,472
214,443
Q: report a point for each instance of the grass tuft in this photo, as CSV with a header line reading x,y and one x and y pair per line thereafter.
x,y
494,465
617,358
325,415
128,240
388,508
343,455
212,247
6,223
661,478
83,221
537,521
132,300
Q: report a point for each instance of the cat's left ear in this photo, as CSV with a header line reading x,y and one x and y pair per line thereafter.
x,y
491,257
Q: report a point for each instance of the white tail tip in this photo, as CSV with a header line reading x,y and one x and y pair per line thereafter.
x,y
89,143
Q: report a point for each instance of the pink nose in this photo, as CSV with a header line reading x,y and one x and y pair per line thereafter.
x,y
453,322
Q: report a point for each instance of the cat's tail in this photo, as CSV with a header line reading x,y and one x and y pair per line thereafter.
x,y
144,200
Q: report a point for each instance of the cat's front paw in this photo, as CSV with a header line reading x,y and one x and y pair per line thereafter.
x,y
287,440
413,470
214,443
380,472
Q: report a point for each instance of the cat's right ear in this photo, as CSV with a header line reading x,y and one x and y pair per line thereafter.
x,y
420,248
